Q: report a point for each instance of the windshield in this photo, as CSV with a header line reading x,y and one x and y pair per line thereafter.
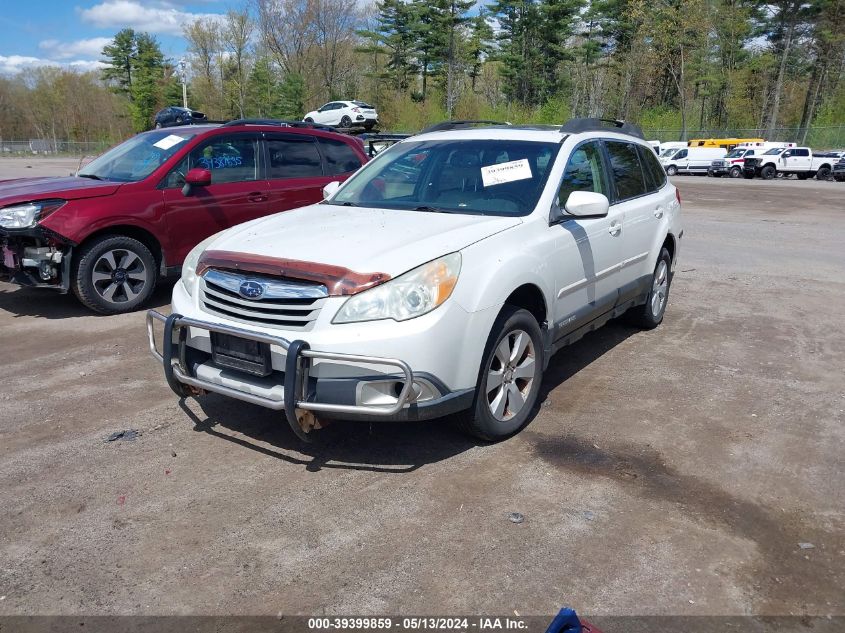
x,y
485,177
737,153
137,158
668,153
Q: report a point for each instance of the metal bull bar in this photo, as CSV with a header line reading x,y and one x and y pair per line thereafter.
x,y
297,367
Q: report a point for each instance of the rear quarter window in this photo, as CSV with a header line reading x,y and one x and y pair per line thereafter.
x,y
654,172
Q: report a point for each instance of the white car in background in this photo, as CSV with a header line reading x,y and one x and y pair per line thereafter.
x,y
439,279
344,114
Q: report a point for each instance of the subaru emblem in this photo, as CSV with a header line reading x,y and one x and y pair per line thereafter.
x,y
251,290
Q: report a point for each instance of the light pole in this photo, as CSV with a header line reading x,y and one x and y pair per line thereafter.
x,y
183,76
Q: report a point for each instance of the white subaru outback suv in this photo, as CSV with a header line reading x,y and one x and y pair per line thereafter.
x,y
438,280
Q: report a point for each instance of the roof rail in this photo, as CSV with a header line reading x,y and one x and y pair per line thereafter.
x,y
459,125
280,123
575,126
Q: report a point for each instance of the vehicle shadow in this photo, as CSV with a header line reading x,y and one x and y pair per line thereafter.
x,y
49,304
573,358
385,447
388,447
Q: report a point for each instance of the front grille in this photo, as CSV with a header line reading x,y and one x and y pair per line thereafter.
x,y
718,163
288,304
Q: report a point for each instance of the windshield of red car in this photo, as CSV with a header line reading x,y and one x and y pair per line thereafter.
x,y
481,177
138,157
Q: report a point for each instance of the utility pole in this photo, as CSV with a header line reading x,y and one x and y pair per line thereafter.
x,y
183,76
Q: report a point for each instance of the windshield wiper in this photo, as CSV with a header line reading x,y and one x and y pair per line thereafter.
x,y
430,209
91,176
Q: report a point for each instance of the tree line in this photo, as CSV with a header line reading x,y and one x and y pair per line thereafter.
x,y
667,64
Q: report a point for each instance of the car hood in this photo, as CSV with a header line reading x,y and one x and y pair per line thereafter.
x,y
361,239
68,188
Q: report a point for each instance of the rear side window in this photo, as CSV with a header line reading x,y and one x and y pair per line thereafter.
x,y
584,172
626,170
338,156
293,158
655,174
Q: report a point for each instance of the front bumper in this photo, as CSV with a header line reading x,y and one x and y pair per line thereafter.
x,y
190,372
35,257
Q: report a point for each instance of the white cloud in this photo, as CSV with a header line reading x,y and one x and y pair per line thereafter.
x,y
153,17
13,64
91,47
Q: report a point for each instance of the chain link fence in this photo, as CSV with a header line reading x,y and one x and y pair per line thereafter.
x,y
819,137
49,147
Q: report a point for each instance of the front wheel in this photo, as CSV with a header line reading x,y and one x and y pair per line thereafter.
x,y
509,380
308,119
735,172
158,125
114,274
768,172
671,170
649,315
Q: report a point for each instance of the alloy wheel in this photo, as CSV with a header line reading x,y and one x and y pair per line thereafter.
x,y
119,275
511,375
659,288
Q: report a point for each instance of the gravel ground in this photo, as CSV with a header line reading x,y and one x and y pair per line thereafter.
x,y
668,472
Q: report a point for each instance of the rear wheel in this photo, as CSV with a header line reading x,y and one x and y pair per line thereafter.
x,y
823,173
735,172
114,274
509,380
649,315
768,172
345,121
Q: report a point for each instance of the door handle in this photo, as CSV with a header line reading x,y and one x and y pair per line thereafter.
x,y
615,229
256,196
658,212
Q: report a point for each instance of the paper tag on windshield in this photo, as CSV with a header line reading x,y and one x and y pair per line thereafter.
x,y
168,141
505,172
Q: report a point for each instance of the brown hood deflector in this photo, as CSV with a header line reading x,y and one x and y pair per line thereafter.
x,y
338,280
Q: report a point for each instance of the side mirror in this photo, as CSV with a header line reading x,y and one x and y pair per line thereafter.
x,y
786,155
587,204
329,189
196,177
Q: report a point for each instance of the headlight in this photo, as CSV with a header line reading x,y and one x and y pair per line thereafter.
x,y
24,216
413,294
189,266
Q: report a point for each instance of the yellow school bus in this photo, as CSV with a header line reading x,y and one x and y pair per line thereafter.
x,y
724,143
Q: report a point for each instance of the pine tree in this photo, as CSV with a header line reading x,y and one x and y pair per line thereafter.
x,y
120,59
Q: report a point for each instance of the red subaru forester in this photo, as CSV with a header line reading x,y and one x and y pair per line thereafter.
x,y
133,214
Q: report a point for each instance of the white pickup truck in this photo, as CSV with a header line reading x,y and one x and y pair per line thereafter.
x,y
789,160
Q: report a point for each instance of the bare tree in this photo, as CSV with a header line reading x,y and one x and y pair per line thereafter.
x,y
334,25
287,29
237,34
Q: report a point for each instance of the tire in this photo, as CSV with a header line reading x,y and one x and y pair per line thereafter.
x,y
114,274
158,125
768,172
346,122
671,170
178,120
309,120
649,315
514,327
735,172
823,173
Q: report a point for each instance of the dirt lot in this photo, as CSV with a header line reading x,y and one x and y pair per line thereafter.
x,y
669,472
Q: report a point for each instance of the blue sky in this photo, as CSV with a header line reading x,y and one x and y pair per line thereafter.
x,y
72,32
